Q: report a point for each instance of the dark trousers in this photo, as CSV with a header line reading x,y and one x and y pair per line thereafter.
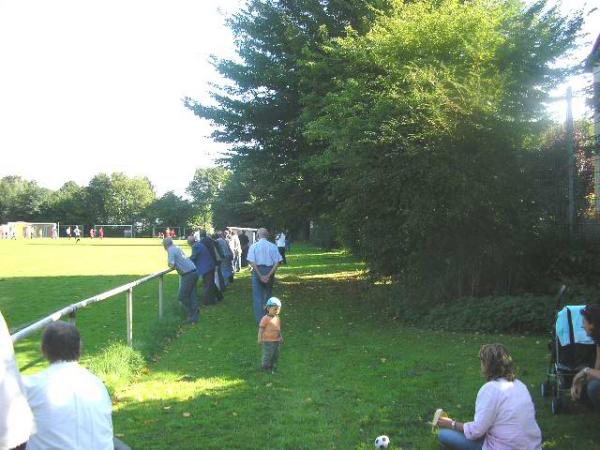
x,y
188,295
221,288
208,284
282,253
270,355
244,260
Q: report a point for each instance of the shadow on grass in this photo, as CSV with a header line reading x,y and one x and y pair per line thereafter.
x,y
24,300
348,372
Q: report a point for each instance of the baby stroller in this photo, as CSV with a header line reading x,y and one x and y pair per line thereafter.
x,y
570,350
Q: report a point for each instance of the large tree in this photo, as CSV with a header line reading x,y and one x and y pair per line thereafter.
x,y
69,205
169,210
118,199
204,190
22,199
258,111
425,132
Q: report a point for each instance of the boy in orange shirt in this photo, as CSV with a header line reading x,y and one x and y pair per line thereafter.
x,y
269,334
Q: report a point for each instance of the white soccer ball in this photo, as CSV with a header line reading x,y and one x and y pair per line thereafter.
x,y
382,442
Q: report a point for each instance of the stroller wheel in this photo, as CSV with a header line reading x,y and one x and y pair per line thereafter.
x,y
556,406
546,390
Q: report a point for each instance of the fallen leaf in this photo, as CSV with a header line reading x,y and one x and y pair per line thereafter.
x,y
186,414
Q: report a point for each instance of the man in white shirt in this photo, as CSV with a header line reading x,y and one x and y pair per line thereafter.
x,y
236,248
264,258
16,420
280,241
71,406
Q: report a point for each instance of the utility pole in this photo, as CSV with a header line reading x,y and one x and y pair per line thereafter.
x,y
571,163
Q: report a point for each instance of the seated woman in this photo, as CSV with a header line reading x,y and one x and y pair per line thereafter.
x,y
504,411
586,384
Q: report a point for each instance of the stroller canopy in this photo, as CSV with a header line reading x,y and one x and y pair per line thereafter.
x,y
569,326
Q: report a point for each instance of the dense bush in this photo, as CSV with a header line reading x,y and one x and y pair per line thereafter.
x,y
523,314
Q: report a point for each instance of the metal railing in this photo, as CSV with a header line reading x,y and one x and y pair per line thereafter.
x,y
72,309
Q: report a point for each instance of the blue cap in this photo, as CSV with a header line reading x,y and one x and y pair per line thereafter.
x,y
273,301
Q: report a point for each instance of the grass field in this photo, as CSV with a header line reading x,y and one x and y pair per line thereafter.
x,y
348,371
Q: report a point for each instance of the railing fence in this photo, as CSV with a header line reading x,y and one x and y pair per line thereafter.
x,y
71,310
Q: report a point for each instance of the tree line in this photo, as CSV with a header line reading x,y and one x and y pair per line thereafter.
x,y
118,199
412,132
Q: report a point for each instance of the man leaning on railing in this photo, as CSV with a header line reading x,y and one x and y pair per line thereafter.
x,y
188,293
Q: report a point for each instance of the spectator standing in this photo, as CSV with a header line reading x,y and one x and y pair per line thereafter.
x,y
280,241
244,242
227,257
16,419
211,246
205,268
71,405
187,294
236,249
54,233
264,258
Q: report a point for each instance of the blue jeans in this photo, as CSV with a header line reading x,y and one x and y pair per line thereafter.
x,y
593,393
261,292
456,440
188,295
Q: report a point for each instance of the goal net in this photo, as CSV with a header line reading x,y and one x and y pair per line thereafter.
x,y
43,230
113,230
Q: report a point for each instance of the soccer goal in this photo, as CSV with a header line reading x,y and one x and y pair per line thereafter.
x,y
113,230
44,230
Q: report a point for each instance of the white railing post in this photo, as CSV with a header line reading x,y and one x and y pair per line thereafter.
x,y
161,291
130,316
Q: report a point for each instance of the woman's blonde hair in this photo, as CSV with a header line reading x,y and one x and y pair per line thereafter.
x,y
496,362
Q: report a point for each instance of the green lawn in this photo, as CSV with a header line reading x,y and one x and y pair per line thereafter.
x,y
348,371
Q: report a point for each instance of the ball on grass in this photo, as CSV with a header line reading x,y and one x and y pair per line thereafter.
x,y
382,442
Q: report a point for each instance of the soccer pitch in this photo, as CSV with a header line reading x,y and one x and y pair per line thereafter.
x,y
40,276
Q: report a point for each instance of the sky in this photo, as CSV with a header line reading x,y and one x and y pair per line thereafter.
x,y
96,86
